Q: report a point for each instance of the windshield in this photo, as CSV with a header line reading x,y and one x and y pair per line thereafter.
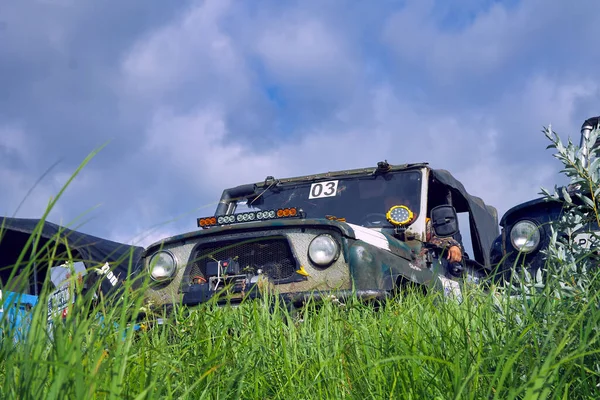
x,y
360,200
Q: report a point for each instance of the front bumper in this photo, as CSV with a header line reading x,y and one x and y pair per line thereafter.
x,y
201,294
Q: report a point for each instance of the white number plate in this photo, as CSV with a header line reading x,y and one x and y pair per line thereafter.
x,y
323,189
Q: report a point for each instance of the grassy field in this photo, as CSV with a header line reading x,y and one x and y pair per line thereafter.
x,y
413,347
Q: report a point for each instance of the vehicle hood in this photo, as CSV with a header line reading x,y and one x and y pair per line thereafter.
x,y
536,204
352,231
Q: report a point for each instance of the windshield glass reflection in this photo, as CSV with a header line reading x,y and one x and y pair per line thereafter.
x,y
360,200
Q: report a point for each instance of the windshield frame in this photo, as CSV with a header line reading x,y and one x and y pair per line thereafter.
x,y
417,228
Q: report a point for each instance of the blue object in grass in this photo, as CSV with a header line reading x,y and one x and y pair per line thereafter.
x,y
15,313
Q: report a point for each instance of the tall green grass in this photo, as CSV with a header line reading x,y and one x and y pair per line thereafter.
x,y
414,346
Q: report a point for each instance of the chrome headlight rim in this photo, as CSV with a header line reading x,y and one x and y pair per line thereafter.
x,y
330,259
173,269
535,236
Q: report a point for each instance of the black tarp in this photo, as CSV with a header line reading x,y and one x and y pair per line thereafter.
x,y
93,251
484,218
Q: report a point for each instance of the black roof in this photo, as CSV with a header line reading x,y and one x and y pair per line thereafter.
x,y
92,250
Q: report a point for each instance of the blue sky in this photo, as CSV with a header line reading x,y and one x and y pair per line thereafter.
x,y
196,96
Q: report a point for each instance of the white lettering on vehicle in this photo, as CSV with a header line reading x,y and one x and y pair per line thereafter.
x,y
105,270
323,189
413,266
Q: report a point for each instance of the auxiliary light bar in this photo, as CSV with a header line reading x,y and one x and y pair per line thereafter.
x,y
247,217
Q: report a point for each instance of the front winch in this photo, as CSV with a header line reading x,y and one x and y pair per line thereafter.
x,y
223,277
224,273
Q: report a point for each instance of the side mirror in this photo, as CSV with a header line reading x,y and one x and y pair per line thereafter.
x,y
444,221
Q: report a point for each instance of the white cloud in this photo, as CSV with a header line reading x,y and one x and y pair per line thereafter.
x,y
553,101
501,37
17,151
301,47
197,149
18,199
193,48
14,142
30,185
138,236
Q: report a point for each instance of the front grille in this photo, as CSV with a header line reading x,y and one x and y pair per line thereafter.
x,y
270,254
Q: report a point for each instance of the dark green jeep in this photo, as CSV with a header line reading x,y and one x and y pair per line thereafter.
x,y
356,232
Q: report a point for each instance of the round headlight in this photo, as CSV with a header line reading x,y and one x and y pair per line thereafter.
x,y
323,250
162,266
525,236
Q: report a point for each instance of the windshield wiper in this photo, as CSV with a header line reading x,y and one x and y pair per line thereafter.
x,y
268,178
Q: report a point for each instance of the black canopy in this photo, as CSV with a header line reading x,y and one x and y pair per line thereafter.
x,y
93,251
484,218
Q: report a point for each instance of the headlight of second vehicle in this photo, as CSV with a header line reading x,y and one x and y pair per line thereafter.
x,y
162,266
525,236
323,250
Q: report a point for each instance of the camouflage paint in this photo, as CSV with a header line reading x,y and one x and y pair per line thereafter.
x,y
369,264
361,266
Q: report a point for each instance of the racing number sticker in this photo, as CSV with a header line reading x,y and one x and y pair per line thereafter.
x,y
323,189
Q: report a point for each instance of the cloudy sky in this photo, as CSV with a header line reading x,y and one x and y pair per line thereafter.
x,y
190,97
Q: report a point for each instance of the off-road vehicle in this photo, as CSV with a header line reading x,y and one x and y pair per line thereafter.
x,y
30,249
526,227
358,232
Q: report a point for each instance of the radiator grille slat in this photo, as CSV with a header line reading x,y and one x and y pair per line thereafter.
x,y
272,255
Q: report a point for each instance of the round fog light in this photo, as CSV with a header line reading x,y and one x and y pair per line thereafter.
x,y
162,266
323,250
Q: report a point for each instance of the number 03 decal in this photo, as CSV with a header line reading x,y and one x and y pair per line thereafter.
x,y
323,189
